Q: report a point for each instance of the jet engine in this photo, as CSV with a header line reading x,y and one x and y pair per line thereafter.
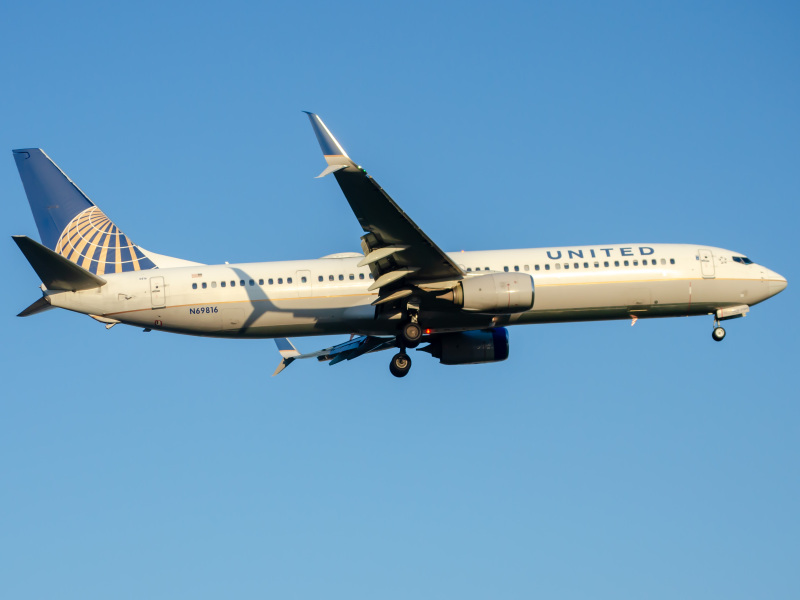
x,y
495,293
470,347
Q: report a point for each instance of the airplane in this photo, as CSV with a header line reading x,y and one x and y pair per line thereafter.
x,y
401,291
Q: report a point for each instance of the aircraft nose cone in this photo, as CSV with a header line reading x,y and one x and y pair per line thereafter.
x,y
777,284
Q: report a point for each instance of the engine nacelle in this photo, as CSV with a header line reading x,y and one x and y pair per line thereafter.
x,y
496,293
470,347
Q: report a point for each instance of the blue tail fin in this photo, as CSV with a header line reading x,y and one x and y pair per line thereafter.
x,y
70,224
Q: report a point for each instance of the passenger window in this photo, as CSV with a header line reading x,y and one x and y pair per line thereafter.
x,y
577,265
516,268
352,277
204,285
653,262
485,268
535,267
370,275
330,277
221,284
636,263
303,279
663,261
605,263
320,278
469,269
260,282
233,284
547,267
280,280
270,281
596,265
505,269
585,265
194,286
252,282
241,282
558,266
213,284
616,263
672,261
341,277
527,268
288,280
566,265
361,276
626,263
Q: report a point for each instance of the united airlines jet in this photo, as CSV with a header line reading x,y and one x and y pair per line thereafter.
x,y
401,291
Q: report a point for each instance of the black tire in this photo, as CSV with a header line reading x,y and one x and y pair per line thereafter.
x,y
718,334
400,364
412,333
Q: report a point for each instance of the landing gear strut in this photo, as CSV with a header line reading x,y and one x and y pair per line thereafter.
x,y
412,331
400,365
718,333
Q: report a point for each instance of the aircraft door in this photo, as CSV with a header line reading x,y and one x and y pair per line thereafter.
x,y
303,283
157,294
706,263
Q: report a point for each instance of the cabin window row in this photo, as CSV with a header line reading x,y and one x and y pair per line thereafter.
x,y
342,277
586,265
271,281
242,283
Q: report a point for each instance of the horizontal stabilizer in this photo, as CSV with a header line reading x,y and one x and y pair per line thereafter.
x,y
55,271
41,305
348,350
288,353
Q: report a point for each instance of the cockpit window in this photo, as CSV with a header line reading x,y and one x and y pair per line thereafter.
x,y
743,260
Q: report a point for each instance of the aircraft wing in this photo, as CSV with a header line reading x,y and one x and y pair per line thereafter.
x,y
345,351
395,248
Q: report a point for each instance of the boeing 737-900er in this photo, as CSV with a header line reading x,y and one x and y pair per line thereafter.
x,y
402,290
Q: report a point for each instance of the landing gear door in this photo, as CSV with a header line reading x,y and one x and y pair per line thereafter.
x,y
157,295
706,263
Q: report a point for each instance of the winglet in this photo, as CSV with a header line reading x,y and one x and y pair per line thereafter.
x,y
334,154
288,353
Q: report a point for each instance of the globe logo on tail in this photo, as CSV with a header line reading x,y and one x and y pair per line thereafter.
x,y
92,241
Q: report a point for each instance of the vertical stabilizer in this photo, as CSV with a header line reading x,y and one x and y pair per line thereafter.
x,y
70,224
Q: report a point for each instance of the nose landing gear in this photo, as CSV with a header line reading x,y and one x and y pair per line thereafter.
x,y
718,334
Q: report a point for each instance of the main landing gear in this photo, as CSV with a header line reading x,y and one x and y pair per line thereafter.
x,y
401,364
409,337
412,334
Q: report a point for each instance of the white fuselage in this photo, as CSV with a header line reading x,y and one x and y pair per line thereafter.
x,y
330,295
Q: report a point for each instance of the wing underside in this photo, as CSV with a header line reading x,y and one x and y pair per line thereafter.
x,y
397,251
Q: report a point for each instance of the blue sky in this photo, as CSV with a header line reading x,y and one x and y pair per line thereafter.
x,y
599,461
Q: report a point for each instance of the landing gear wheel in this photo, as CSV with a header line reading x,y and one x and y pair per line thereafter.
x,y
400,365
412,333
718,334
